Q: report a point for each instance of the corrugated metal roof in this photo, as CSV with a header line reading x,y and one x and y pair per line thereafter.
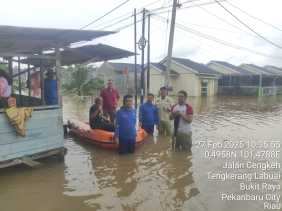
x,y
14,39
200,68
275,70
238,69
257,69
159,66
89,53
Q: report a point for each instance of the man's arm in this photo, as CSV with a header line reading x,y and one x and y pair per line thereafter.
x,y
140,115
156,113
94,114
188,118
117,95
116,134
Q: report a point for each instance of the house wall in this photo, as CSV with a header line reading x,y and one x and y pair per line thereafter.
x,y
187,80
156,80
44,132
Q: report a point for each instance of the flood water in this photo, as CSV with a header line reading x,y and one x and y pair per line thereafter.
x,y
155,177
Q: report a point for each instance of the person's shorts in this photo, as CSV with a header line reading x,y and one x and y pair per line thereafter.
x,y
183,141
165,128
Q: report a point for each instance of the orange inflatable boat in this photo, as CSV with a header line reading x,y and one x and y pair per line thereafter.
x,y
99,137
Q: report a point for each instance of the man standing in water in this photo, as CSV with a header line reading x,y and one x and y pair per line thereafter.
x,y
125,133
148,115
110,98
164,104
182,114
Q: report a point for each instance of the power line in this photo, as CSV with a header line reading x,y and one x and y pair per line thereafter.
x,y
215,39
112,10
191,6
256,18
222,19
239,20
127,25
128,15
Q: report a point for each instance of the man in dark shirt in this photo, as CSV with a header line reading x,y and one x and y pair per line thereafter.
x,y
110,97
96,118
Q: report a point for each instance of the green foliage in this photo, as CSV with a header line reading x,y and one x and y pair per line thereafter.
x,y
79,83
3,67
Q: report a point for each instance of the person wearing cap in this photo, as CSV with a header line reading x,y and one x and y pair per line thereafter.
x,y
50,88
110,97
164,104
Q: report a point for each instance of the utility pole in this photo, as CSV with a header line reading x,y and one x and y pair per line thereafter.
x,y
148,54
142,44
170,44
135,60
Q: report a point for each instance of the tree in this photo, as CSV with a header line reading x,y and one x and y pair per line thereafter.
x,y
79,83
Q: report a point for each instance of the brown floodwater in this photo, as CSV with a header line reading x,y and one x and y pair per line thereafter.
x,y
155,177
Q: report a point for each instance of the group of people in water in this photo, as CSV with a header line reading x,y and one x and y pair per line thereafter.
x,y
154,113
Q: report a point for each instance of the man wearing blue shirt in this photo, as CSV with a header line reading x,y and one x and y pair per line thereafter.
x,y
50,89
125,133
148,115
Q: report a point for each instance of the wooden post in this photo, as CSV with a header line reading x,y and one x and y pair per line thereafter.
x,y
29,80
20,81
42,83
10,66
58,74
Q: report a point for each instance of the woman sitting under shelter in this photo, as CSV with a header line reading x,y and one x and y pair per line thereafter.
x,y
96,118
5,88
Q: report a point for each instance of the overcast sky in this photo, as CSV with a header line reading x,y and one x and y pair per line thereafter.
x,y
74,14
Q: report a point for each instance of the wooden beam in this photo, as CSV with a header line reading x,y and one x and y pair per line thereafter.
x,y
42,84
58,74
30,162
31,56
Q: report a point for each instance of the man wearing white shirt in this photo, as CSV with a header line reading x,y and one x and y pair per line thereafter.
x,y
182,114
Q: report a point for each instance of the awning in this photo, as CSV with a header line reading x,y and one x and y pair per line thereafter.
x,y
89,53
28,40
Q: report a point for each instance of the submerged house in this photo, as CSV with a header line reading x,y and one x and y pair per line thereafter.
x,y
270,79
245,79
195,78
122,74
